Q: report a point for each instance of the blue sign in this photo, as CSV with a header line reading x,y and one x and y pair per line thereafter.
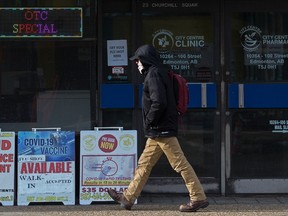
x,y
46,167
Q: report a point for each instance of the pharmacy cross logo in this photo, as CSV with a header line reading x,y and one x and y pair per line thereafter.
x,y
163,40
250,37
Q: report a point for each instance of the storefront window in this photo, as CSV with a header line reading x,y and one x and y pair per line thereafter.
x,y
45,83
259,47
45,78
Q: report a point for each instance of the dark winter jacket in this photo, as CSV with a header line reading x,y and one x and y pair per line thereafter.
x,y
159,110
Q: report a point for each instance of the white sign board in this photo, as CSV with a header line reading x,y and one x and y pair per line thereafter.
x,y
7,164
117,53
108,159
46,167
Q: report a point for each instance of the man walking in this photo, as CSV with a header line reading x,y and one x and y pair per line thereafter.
x,y
160,119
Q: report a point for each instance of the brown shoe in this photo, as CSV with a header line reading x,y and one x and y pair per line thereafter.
x,y
194,206
118,197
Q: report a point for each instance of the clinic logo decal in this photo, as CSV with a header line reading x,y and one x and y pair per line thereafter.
x,y
90,142
107,143
163,40
250,37
126,142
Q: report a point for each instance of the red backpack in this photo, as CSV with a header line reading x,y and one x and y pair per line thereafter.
x,y
181,92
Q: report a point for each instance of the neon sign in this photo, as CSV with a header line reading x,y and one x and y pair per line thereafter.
x,y
40,22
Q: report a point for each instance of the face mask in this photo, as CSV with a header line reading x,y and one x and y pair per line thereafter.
x,y
140,67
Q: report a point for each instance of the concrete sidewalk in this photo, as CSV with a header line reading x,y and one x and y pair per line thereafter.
x,y
166,205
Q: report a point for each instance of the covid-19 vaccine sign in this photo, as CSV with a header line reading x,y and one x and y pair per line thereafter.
x,y
46,167
7,166
108,159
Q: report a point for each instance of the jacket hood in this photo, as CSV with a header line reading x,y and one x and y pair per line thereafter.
x,y
147,54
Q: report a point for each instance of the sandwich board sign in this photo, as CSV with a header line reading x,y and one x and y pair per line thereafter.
x,y
108,159
7,167
46,167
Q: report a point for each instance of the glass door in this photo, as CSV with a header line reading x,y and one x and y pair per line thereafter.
x,y
185,35
256,56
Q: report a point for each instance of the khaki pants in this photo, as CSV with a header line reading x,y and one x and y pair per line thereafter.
x,y
153,150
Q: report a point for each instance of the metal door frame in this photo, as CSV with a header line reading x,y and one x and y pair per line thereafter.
x,y
204,90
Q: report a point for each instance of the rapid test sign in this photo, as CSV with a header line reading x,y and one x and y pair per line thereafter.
x,y
7,164
46,167
108,159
